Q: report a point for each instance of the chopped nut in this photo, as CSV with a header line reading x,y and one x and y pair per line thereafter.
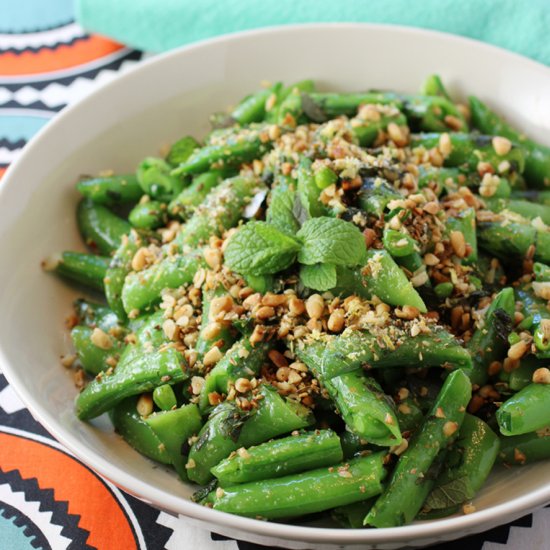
x,y
243,385
213,257
219,305
518,350
101,339
211,330
431,259
68,360
212,356
278,359
144,405
445,145
79,378
468,508
407,312
336,321
274,300
243,453
190,464
169,328
449,428
282,374
458,243
257,334
296,306
265,312
501,145
214,398
541,376
315,306
252,301
197,383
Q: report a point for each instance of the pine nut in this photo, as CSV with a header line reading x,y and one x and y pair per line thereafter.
x,y
336,321
212,356
458,243
296,306
315,306
501,145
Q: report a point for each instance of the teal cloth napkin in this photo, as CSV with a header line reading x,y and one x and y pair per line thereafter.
x,y
157,25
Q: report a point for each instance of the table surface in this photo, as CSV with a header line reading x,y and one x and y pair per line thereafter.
x,y
48,499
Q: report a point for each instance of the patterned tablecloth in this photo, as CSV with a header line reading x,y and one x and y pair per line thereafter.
x,y
48,499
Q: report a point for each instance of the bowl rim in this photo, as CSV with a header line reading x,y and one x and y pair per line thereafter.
x,y
180,505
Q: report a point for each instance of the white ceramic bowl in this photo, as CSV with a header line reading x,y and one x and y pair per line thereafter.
x,y
159,101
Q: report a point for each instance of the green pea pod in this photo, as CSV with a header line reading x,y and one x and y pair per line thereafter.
x,y
164,397
375,194
221,210
440,179
305,493
523,375
143,288
94,315
281,457
367,131
174,428
187,201
181,150
355,350
86,269
488,342
120,266
365,408
409,415
411,481
138,370
155,177
542,272
100,228
93,358
336,104
148,215
467,466
527,209
229,428
433,86
383,278
129,424
111,190
398,244
537,162
526,411
352,444
253,107
232,150
525,448
429,113
465,222
242,360
468,150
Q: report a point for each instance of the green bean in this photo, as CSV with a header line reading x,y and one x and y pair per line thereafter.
x,y
523,375
440,179
308,191
95,315
111,190
253,107
467,466
281,457
155,177
351,516
409,415
375,194
352,444
488,342
229,428
142,367
129,424
143,288
537,162
181,150
411,481
398,244
221,210
533,195
525,448
526,411
86,269
367,131
148,215
305,493
174,428
242,360
100,228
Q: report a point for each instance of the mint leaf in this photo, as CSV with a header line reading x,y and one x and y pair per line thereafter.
x,y
280,212
259,248
332,241
318,276
453,492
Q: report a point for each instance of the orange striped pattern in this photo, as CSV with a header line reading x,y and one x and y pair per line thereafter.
x,y
61,57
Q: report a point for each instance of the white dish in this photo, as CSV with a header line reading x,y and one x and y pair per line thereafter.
x,y
172,95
